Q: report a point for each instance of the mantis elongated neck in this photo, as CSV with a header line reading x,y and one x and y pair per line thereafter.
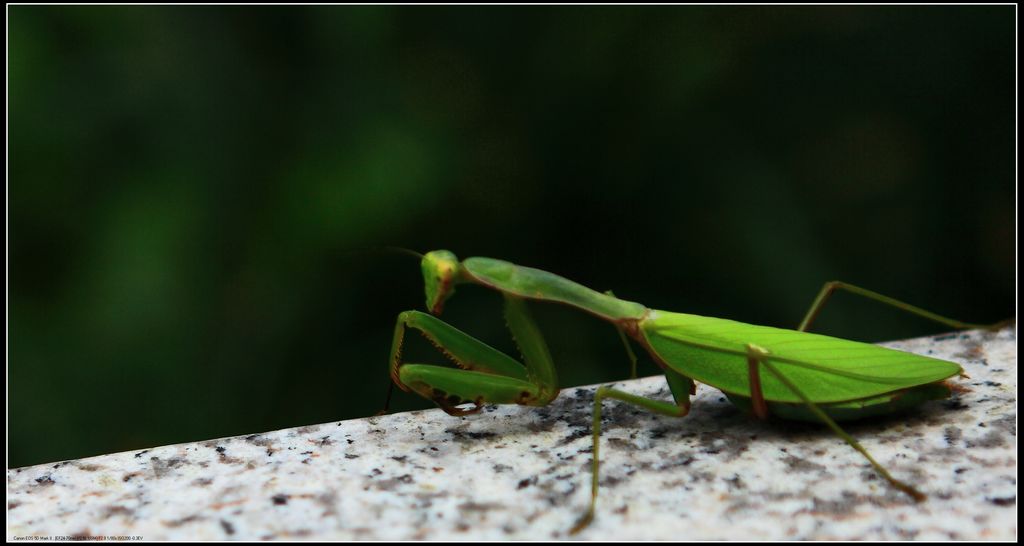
x,y
527,282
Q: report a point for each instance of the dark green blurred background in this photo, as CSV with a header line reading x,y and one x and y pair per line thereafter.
x,y
193,190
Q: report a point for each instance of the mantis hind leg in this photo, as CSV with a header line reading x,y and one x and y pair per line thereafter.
x,y
681,387
758,356
830,287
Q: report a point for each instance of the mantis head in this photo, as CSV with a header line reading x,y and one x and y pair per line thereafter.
x,y
441,270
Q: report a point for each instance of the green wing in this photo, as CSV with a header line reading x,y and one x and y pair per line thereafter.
x,y
827,369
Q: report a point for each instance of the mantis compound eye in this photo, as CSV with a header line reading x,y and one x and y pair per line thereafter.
x,y
440,272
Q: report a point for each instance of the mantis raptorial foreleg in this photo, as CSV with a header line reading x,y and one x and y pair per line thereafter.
x,y
832,286
681,387
487,375
760,357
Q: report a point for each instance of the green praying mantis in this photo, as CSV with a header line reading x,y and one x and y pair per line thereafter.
x,y
789,374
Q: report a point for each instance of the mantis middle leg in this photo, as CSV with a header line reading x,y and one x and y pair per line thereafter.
x,y
625,343
681,387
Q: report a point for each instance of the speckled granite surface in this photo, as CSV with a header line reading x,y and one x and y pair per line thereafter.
x,y
523,473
